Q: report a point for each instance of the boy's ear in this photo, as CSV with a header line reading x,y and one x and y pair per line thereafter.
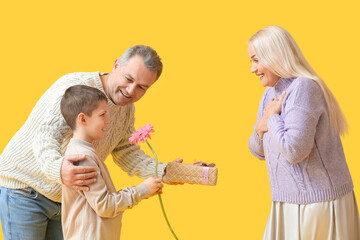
x,y
81,119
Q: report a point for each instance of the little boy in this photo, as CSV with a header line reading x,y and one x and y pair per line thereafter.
x,y
97,213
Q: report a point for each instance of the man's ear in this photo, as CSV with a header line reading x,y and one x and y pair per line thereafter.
x,y
116,64
81,119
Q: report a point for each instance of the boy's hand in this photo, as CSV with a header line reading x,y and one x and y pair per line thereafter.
x,y
154,185
77,177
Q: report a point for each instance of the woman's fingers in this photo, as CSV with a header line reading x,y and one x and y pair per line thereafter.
x,y
282,96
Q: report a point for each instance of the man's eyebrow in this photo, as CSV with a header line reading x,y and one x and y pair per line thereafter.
x,y
129,76
146,86
253,56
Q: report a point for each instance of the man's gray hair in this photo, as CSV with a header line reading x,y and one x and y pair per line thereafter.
x,y
150,57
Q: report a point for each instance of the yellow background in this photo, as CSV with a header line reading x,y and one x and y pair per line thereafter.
x,y
203,106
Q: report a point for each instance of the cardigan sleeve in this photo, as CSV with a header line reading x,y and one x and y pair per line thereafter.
x,y
131,158
293,132
255,142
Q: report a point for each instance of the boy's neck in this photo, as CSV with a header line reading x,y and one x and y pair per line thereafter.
x,y
82,136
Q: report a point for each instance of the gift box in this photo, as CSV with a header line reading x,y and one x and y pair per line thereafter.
x,y
189,173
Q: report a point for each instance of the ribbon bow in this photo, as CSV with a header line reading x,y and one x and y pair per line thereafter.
x,y
202,164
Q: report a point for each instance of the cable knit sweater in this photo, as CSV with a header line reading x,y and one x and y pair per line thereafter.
x,y
33,157
304,158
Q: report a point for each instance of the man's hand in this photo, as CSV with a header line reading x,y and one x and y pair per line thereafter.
x,y
77,177
179,160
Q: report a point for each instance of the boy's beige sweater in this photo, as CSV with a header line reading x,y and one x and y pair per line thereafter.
x,y
33,157
96,214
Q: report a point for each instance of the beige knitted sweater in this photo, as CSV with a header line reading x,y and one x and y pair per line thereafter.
x,y
33,157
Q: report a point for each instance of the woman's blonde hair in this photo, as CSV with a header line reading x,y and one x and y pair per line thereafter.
x,y
277,51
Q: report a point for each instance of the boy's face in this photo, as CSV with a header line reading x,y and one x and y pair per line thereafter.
x,y
96,124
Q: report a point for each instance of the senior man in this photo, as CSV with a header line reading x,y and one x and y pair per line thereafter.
x,y
32,166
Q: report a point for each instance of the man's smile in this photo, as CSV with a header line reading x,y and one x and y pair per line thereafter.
x,y
124,94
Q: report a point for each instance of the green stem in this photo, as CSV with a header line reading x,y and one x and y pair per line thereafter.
x,y
161,202
156,159
167,221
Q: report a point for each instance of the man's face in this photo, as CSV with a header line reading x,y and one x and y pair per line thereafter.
x,y
130,82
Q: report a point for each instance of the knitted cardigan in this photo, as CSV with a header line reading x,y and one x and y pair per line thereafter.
x,y
304,156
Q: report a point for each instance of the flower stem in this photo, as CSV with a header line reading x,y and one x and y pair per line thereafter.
x,y
161,202
156,159
167,221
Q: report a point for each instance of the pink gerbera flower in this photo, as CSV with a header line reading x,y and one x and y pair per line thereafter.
x,y
142,134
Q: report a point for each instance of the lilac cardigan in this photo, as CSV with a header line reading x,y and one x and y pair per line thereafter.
x,y
304,158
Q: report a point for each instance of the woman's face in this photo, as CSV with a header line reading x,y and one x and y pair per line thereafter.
x,y
267,78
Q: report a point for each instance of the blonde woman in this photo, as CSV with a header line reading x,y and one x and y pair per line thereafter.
x,y
297,132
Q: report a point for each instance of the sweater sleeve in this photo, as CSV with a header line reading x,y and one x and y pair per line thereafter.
x,y
48,137
107,204
293,132
132,159
255,142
